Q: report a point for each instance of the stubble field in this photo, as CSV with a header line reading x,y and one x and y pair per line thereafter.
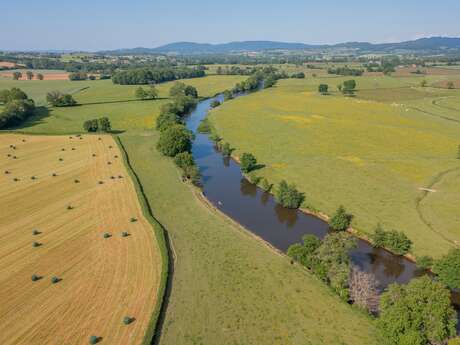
x,y
54,226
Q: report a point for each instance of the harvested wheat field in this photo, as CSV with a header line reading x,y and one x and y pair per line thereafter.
x,y
67,271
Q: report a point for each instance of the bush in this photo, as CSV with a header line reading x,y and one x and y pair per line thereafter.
x,y
107,235
124,234
133,220
304,252
55,280
174,140
248,162
288,196
448,269
228,95
93,339
57,99
396,241
166,120
215,104
36,232
425,262
184,160
419,313
265,185
35,277
36,244
341,220
323,88
226,150
127,320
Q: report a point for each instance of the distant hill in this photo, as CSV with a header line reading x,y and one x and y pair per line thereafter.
x,y
422,45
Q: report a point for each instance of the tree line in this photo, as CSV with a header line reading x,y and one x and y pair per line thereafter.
x,y
142,76
17,107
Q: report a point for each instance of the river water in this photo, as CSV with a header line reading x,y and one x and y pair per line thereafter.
x,y
226,188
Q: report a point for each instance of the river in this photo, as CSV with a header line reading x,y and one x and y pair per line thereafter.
x,y
226,188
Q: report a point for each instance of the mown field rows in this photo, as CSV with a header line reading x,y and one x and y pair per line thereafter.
x,y
54,226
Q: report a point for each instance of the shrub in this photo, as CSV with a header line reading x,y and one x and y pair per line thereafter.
x,y
228,95
215,104
124,234
93,339
248,162
36,244
425,262
174,140
396,241
323,89
35,277
133,220
205,126
36,232
184,160
254,179
127,320
288,196
304,252
341,220
166,120
448,269
417,313
76,181
107,235
226,150
57,99
55,280
265,185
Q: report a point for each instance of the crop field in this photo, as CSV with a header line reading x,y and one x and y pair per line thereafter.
x,y
371,153
47,74
67,271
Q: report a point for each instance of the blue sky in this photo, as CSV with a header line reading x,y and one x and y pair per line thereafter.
x,y
109,24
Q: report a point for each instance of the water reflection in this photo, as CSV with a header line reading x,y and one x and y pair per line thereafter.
x,y
286,215
247,188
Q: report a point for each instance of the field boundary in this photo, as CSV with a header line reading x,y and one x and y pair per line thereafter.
x,y
152,333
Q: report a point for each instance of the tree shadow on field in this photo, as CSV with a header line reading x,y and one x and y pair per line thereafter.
x,y
40,113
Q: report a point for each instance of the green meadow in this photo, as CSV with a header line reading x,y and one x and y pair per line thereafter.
x,y
227,287
372,153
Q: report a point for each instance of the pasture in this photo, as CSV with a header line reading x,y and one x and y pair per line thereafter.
x,y
372,153
228,288
73,262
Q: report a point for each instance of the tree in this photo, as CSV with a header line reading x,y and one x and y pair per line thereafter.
x,y
323,88
341,220
334,261
165,120
396,241
423,83
78,76
425,262
180,89
152,92
17,75
29,75
363,290
174,140
91,125
304,252
215,104
140,93
184,160
419,313
248,162
57,99
288,195
339,87
448,269
349,87
104,124
40,76
450,85
228,95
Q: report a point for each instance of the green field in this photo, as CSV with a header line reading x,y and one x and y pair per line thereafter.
x,y
228,287
370,153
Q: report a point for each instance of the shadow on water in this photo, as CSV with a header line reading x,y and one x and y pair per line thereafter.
x,y
228,190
